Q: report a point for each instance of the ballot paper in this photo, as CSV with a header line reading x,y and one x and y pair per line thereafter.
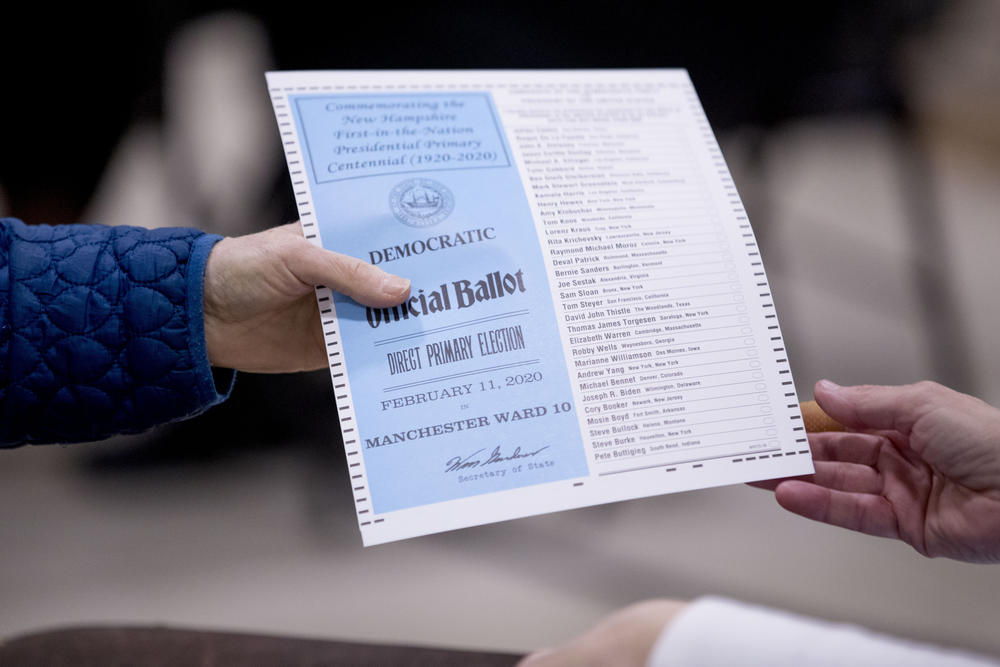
x,y
590,320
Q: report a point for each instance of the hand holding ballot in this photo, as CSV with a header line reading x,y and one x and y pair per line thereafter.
x,y
260,300
922,464
924,467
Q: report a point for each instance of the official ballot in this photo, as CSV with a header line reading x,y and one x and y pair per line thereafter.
x,y
590,320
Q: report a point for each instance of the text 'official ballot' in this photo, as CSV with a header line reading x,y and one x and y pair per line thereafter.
x,y
461,293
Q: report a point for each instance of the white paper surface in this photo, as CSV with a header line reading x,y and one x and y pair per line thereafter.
x,y
590,320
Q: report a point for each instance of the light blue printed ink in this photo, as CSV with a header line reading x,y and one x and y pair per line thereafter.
x,y
462,390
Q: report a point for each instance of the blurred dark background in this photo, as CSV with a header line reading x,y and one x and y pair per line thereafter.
x,y
77,77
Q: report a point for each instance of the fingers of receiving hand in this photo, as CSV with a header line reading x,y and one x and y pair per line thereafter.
x,y
363,282
860,448
879,407
846,446
852,477
772,484
863,512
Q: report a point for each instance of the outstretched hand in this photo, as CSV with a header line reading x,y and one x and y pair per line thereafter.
x,y
922,465
624,638
260,305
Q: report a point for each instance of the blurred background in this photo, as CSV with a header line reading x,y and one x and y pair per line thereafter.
x,y
864,139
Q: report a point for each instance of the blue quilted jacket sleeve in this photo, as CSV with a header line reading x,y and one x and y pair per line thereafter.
x,y
101,330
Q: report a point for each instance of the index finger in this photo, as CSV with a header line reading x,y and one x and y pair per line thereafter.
x,y
313,265
365,283
876,407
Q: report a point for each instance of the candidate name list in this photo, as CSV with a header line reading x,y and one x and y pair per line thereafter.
x,y
661,346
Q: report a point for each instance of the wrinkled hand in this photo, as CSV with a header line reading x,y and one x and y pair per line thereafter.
x,y
623,639
260,303
925,469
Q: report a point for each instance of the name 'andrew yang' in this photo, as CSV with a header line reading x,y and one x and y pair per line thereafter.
x,y
456,295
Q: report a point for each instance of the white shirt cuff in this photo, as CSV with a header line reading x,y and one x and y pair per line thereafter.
x,y
716,632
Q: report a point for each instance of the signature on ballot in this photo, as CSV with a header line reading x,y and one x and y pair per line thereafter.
x,y
496,456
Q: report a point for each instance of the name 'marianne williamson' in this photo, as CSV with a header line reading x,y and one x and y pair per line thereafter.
x,y
450,296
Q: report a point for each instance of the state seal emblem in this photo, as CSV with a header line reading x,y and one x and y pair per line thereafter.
x,y
421,202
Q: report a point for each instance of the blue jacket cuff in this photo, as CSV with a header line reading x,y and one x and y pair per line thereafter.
x,y
213,386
